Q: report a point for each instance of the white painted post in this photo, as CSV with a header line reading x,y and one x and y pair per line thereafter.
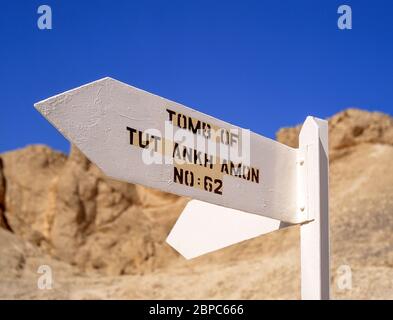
x,y
314,235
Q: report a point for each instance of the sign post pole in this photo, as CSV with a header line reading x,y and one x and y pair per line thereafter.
x,y
314,235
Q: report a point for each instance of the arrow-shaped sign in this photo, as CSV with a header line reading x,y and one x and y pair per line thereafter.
x,y
203,227
138,137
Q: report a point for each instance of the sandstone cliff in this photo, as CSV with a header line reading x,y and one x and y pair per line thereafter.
x,y
105,239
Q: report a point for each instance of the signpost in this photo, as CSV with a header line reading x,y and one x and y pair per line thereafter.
x,y
245,184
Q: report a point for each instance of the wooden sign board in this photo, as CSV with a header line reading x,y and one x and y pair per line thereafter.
x,y
138,137
203,227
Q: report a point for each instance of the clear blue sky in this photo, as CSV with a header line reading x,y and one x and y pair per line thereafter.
x,y
257,64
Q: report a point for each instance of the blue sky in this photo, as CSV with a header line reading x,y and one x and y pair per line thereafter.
x,y
257,64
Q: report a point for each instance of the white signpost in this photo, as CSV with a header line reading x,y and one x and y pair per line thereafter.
x,y
245,184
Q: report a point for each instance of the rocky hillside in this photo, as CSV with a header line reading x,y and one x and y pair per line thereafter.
x,y
106,239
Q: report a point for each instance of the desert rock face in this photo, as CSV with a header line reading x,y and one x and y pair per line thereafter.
x,y
348,129
2,196
106,239
71,211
